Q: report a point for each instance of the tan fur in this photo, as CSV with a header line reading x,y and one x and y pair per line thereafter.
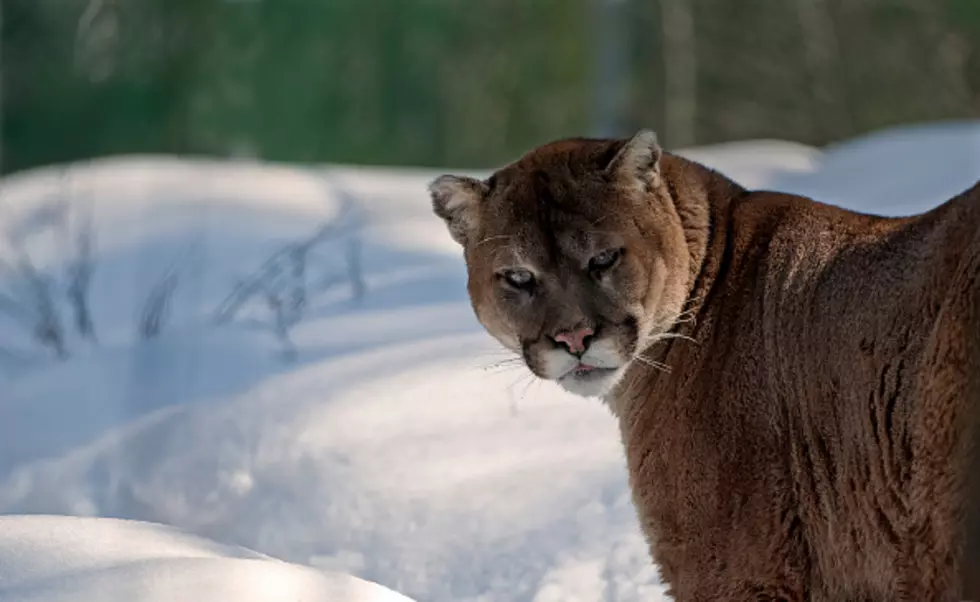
x,y
799,385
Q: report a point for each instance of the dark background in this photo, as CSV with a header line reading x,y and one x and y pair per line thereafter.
x,y
468,83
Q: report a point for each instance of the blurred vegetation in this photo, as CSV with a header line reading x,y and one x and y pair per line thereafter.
x,y
467,83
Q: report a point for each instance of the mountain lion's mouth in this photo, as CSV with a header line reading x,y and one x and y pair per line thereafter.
x,y
587,373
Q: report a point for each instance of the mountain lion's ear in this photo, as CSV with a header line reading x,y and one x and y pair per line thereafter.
x,y
637,164
456,200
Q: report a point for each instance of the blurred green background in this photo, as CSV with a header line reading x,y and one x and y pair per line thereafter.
x,y
468,83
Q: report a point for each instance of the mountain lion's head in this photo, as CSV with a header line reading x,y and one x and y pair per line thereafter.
x,y
576,255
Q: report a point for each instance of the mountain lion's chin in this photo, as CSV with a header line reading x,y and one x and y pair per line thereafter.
x,y
594,383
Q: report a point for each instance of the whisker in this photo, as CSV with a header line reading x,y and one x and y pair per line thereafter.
x,y
519,379
653,364
535,384
492,238
693,299
687,315
527,386
666,326
528,380
497,352
504,364
496,357
503,370
671,335
512,359
496,349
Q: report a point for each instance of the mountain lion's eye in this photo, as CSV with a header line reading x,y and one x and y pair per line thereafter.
x,y
605,260
522,279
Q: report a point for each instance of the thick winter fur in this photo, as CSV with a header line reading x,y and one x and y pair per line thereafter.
x,y
797,386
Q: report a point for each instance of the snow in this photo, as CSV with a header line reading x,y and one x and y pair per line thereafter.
x,y
62,558
390,438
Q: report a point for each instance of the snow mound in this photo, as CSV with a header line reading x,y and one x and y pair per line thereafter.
x,y
395,442
68,559
898,171
757,163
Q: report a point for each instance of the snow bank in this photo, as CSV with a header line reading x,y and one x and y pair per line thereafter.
x,y
396,441
67,559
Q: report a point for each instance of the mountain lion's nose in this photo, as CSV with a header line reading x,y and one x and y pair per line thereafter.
x,y
577,341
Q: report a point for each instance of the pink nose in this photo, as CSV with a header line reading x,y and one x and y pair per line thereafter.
x,y
574,339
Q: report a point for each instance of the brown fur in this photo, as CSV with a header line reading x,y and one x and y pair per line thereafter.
x,y
812,438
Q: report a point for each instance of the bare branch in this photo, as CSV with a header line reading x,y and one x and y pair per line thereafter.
x,y
285,280
156,308
47,329
292,259
354,271
79,272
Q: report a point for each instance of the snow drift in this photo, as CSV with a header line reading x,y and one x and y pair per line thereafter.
x,y
349,413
